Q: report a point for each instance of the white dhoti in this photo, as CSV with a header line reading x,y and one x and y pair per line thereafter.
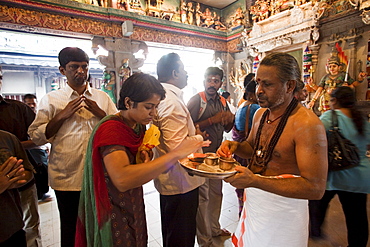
x,y
270,220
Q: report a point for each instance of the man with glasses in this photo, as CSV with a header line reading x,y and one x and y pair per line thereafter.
x,y
65,119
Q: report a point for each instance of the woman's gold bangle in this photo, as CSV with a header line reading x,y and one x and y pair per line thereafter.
x,y
313,100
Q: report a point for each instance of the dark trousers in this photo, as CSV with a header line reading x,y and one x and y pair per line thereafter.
x,y
178,217
68,212
18,239
354,208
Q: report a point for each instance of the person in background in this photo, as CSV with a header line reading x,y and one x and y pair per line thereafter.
x,y
210,111
40,155
31,101
352,184
114,174
287,148
179,192
229,101
15,171
65,119
243,124
247,79
302,94
16,117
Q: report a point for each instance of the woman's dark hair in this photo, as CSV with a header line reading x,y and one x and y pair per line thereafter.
x,y
225,95
166,65
69,54
249,88
248,78
346,99
287,66
139,87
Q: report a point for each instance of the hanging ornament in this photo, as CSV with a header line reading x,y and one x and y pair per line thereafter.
x,y
307,64
256,62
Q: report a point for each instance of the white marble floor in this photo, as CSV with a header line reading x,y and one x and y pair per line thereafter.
x,y
334,227
229,217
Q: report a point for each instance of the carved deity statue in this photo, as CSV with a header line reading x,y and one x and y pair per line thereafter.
x,y
208,18
238,18
183,10
122,4
102,3
124,71
336,76
198,15
109,85
218,25
190,13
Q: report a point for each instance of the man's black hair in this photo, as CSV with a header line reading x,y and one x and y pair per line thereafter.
x,y
69,54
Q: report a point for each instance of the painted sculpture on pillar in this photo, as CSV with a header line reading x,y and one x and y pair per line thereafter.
x,y
124,71
109,85
337,75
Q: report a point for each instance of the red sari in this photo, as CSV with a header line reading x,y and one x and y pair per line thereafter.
x,y
108,217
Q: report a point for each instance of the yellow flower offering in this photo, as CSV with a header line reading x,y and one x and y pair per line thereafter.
x,y
151,139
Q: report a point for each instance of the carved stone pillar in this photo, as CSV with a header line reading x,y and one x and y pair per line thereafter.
x,y
225,66
315,58
352,44
120,51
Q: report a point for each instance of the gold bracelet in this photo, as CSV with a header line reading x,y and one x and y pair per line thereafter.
x,y
313,100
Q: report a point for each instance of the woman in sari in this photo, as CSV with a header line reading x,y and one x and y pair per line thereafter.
x,y
243,124
111,211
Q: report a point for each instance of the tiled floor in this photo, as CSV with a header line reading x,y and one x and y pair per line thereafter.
x,y
334,229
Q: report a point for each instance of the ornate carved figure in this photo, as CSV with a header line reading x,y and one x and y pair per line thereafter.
x,y
102,3
336,77
218,24
135,6
198,15
238,18
124,71
254,12
183,10
122,4
275,7
190,14
109,85
286,4
208,18
264,10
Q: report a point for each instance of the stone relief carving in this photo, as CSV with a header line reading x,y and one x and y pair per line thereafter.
x,y
348,34
364,6
315,34
119,50
296,25
366,17
296,16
